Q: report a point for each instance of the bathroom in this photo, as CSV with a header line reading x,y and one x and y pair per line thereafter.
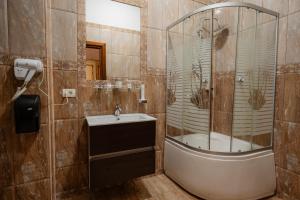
x,y
55,162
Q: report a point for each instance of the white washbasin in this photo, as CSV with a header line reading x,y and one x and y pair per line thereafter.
x,y
123,118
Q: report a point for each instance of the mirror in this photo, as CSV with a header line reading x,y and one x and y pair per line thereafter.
x,y
113,40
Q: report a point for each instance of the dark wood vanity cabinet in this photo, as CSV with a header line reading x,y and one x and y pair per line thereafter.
x,y
120,152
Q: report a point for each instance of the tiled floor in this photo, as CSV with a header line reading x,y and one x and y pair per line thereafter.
x,y
157,187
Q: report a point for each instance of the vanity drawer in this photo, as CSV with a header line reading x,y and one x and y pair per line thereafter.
x,y
106,172
120,137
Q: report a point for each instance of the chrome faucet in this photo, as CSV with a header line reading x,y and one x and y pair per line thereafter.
x,y
118,111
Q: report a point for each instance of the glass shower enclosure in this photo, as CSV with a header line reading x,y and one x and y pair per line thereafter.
x,y
221,70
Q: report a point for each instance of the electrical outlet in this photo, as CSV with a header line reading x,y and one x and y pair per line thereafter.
x,y
69,92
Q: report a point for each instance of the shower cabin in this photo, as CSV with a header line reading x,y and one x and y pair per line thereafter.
x,y
221,70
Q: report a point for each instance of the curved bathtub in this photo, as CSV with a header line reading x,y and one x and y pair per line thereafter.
x,y
221,177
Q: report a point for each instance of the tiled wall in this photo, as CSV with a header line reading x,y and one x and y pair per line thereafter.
x,y
69,143
25,170
223,94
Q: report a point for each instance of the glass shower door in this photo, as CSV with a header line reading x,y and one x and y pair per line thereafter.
x,y
189,73
255,81
175,82
223,70
197,79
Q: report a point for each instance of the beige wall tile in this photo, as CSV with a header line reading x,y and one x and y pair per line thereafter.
x,y
92,33
120,42
255,2
155,49
135,45
119,66
83,176
107,102
35,190
3,27
137,3
279,97
293,154
32,154
160,131
198,4
133,104
81,42
67,110
7,86
88,101
185,7
108,65
225,57
294,6
66,179
159,165
26,22
6,154
68,5
7,193
155,14
83,137
155,87
281,6
134,68
291,103
66,142
125,99
170,12
287,184
282,40
64,36
81,7
293,39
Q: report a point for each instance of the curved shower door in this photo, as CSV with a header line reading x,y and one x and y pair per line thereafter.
x,y
221,68
189,80
254,94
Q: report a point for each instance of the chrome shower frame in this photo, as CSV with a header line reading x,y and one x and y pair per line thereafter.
x,y
224,5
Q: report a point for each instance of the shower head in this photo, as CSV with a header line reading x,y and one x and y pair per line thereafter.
x,y
221,37
220,33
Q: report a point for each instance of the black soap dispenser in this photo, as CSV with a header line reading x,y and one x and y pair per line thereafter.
x,y
27,113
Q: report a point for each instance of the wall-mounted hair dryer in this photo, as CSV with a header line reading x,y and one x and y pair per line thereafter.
x,y
25,69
